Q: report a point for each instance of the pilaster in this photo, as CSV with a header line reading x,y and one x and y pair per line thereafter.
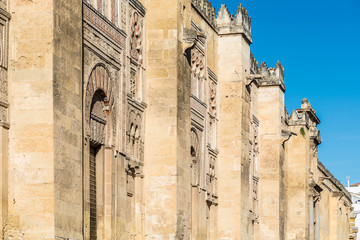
x,y
302,188
234,124
271,169
167,139
31,153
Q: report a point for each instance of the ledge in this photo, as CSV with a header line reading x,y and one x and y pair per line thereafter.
x,y
336,182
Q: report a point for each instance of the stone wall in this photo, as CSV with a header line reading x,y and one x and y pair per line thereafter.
x,y
189,135
234,127
167,139
31,148
67,117
4,117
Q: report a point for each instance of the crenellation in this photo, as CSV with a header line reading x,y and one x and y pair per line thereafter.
x,y
254,65
206,9
224,17
158,124
272,76
230,24
242,18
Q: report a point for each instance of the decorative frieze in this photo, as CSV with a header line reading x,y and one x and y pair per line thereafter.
x,y
3,42
93,17
4,112
107,48
198,107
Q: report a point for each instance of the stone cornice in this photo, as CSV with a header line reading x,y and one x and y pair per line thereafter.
x,y
95,18
334,181
138,6
5,14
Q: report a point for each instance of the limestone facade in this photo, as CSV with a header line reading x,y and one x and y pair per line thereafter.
x,y
151,119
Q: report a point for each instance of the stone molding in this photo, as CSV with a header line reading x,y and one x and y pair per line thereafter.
x,y
4,35
307,107
97,20
334,181
138,6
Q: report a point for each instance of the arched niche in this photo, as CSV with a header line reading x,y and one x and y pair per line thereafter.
x,y
98,107
98,133
195,158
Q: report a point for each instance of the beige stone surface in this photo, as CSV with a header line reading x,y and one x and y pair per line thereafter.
x,y
189,134
31,156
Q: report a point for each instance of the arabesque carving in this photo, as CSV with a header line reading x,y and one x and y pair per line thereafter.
x,y
136,37
98,106
135,143
212,98
198,72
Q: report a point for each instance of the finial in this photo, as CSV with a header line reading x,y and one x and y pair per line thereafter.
x,y
242,18
279,71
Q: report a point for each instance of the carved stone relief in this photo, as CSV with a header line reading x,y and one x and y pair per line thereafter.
x,y
135,142
254,164
132,84
98,105
212,98
136,27
123,15
211,186
198,72
4,39
98,21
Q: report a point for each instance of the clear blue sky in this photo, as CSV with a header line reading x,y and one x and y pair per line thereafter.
x,y
318,43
